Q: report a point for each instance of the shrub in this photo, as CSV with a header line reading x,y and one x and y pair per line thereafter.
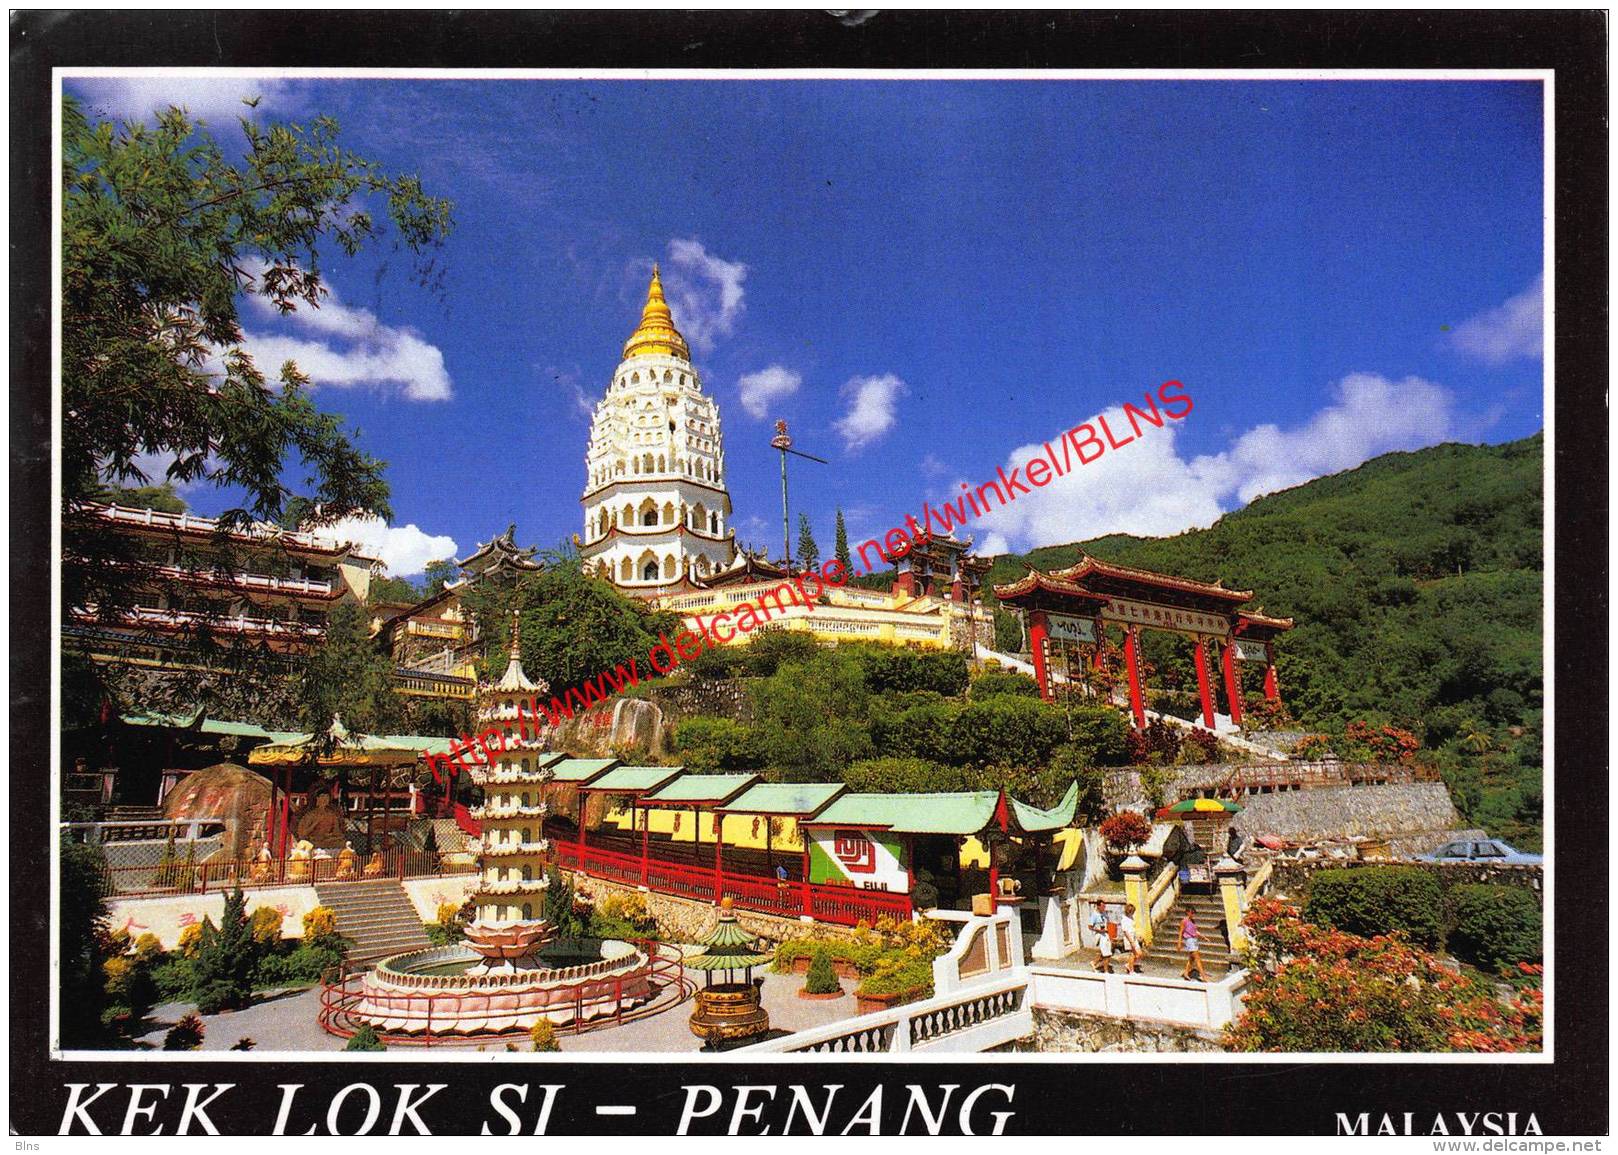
x,y
1201,748
185,1035
716,745
624,916
1101,732
320,924
1312,747
149,949
1126,830
821,979
1313,989
716,662
365,1039
543,1034
245,1043
174,978
901,669
1377,900
992,682
901,776
129,984
1005,729
191,939
1158,744
771,647
226,958
898,975
1496,926
265,926
561,907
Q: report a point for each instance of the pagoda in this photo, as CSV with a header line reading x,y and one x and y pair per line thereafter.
x,y
656,510
509,926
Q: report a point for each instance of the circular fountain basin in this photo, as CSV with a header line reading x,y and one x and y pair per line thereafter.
x,y
453,990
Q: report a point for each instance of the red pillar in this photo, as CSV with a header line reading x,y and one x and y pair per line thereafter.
x,y
645,842
1137,705
1037,633
1233,684
1272,689
718,857
803,836
1203,687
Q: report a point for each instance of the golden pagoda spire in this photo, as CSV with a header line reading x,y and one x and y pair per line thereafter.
x,y
656,334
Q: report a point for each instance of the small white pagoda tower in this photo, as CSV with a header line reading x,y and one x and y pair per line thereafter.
x,y
509,925
656,509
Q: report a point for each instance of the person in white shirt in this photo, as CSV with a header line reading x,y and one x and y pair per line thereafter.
x,y
1098,927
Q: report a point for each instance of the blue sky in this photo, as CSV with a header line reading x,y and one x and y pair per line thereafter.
x,y
923,278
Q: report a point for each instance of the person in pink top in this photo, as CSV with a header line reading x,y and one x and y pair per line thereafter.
x,y
1190,942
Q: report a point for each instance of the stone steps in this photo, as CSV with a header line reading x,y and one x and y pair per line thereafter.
x,y
376,915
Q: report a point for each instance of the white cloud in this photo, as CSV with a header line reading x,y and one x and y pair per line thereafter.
x,y
873,404
405,550
759,390
1146,487
369,352
1372,415
1514,330
214,100
705,292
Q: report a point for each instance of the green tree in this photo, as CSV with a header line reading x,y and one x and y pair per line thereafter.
x,y
226,958
349,675
82,941
159,497
436,573
162,234
392,589
840,550
808,550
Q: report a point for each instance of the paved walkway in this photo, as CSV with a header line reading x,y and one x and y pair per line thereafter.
x,y
287,1022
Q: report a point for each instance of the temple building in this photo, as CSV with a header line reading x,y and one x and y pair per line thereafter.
x,y
436,643
656,510
265,586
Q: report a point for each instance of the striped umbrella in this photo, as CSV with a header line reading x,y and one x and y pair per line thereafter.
x,y
1193,807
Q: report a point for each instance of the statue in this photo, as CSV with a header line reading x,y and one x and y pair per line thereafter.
x,y
322,824
373,868
298,862
347,863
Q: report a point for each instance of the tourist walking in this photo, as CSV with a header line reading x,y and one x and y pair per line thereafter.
x,y
1098,926
1130,938
1190,942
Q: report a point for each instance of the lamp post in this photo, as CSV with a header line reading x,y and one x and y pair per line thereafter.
x,y
783,441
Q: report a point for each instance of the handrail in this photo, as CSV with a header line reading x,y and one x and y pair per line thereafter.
x,y
904,1027
1255,885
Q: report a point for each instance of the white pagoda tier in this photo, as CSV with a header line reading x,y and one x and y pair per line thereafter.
x,y
509,924
656,509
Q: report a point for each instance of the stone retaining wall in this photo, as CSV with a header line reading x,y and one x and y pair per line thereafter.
x,y
718,698
1349,811
1070,1032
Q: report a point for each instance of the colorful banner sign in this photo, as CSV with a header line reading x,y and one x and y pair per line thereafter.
x,y
848,856
1129,613
1066,628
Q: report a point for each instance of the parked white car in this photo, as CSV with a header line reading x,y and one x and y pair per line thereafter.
x,y
1482,850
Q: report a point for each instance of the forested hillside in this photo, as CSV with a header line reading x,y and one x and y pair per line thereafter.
x,y
1417,585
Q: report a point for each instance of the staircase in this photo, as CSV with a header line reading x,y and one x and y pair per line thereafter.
x,y
1217,958
376,915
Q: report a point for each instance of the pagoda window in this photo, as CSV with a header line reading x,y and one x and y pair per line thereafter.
x,y
650,572
525,800
634,466
629,515
527,911
528,874
626,572
527,834
713,523
668,566
662,466
646,463
648,513
701,513
668,513
635,377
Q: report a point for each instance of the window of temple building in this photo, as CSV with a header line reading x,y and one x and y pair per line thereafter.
x,y
668,566
650,572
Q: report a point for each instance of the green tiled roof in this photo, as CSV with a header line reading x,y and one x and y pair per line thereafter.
x,y
963,813
634,779
794,799
711,788
1035,821
580,770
